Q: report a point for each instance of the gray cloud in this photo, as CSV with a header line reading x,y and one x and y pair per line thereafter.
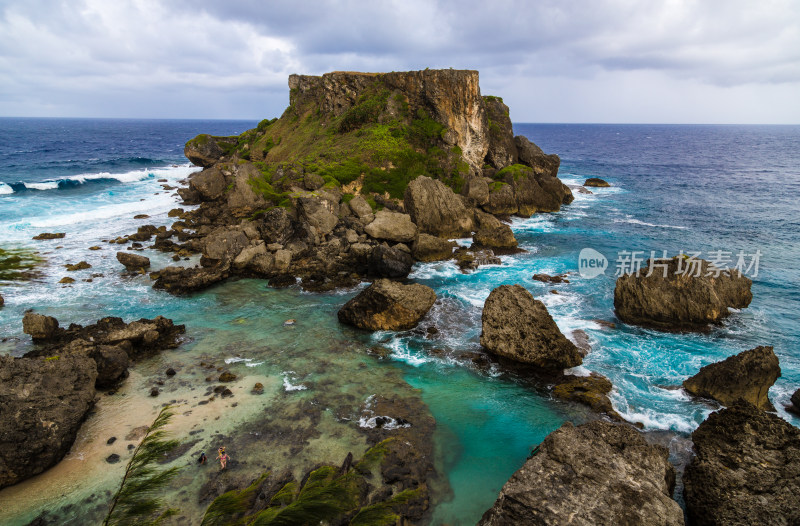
x,y
204,58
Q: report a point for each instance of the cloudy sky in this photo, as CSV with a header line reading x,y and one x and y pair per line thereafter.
x,y
672,61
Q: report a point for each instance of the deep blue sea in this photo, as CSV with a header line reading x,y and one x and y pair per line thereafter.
x,y
729,191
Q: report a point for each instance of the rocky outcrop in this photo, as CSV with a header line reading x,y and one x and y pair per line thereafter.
x,y
747,375
388,306
208,184
502,200
476,189
204,150
182,280
535,193
499,238
242,200
452,97
49,235
518,327
392,226
596,473
39,327
687,301
591,391
596,182
746,469
133,262
502,148
436,209
432,248
470,259
794,406
43,402
533,156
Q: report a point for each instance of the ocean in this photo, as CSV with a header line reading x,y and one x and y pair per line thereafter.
x,y
721,191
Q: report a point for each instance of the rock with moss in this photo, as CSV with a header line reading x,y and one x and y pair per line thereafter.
x,y
502,150
476,189
518,327
747,376
596,473
204,150
502,200
388,306
436,209
209,184
746,469
531,155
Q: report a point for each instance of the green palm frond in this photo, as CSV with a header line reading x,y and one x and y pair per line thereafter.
x,y
381,514
373,456
138,500
225,508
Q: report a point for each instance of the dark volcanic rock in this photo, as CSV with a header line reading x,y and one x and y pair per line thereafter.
x,y
746,469
518,327
436,209
470,259
180,280
112,364
388,305
747,375
597,473
389,262
133,262
533,156
42,404
547,278
794,407
680,301
596,182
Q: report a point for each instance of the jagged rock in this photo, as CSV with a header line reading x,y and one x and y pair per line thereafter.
x,y
276,226
533,156
501,199
180,280
389,262
209,184
794,407
313,181
2,301
243,201
436,209
392,226
72,267
133,262
204,150
597,182
249,253
283,258
224,244
42,404
591,391
112,364
547,278
49,235
469,259
476,189
227,376
596,473
518,327
680,301
536,193
502,148
321,213
389,306
38,326
499,238
66,280
361,208
432,248
746,469
747,375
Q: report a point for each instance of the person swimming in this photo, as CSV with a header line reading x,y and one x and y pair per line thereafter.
x,y
222,457
202,459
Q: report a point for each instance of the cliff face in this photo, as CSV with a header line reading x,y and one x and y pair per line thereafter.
x,y
450,97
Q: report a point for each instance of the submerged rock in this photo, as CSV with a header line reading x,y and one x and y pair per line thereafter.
x,y
591,391
671,301
49,235
518,327
747,375
388,305
43,402
597,473
133,262
596,182
746,469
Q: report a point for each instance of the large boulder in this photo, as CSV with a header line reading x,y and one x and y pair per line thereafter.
x,y
208,184
389,262
591,391
686,301
388,306
518,327
502,200
499,238
223,245
320,212
596,473
436,209
432,248
747,375
476,189
746,470
43,402
243,201
392,226
181,280
204,150
540,193
533,156
794,403
276,226
39,326
361,208
502,148
133,262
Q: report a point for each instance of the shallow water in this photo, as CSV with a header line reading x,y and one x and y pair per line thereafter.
x,y
674,188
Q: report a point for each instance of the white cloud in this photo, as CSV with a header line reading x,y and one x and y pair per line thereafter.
x,y
675,58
